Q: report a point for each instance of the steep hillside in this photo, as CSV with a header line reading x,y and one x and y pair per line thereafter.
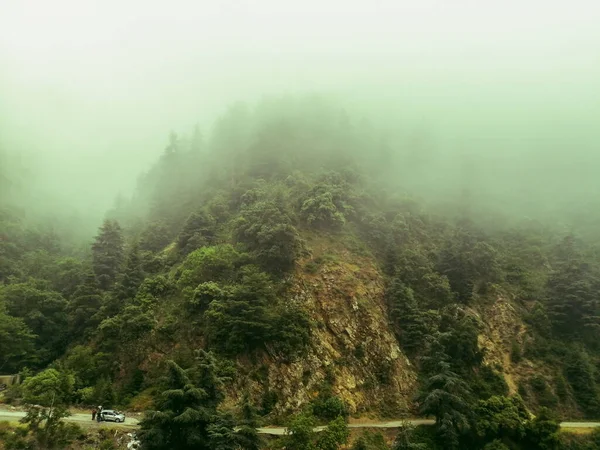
x,y
352,351
282,268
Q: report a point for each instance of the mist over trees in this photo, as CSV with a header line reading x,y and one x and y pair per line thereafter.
x,y
200,256
228,215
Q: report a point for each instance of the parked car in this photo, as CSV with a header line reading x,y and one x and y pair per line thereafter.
x,y
108,415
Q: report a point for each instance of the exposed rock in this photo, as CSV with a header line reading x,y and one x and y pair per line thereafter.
x,y
502,326
351,340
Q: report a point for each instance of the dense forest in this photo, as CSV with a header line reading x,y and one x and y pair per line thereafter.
x,y
190,302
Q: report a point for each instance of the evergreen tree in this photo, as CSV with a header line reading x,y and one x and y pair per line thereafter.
x,y
266,230
131,277
186,415
248,318
572,292
447,397
155,237
459,337
45,314
84,307
198,231
221,434
16,342
412,324
247,434
107,254
404,439
580,374
470,263
181,420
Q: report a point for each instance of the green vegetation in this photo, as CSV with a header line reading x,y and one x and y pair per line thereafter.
x,y
201,278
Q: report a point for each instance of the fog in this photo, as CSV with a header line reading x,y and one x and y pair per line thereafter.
x,y
503,97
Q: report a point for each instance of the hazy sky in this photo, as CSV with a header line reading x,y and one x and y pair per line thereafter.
x,y
94,87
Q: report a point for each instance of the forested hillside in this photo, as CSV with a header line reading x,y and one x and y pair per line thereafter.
x,y
282,267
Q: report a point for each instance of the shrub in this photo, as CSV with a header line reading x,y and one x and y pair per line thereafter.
x,y
495,445
312,267
515,352
335,435
85,395
562,389
142,401
488,383
199,299
384,372
268,401
501,417
329,407
359,351
370,441
209,264
320,211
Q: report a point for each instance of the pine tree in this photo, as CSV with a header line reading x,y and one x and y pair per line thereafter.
x,y
197,232
107,254
404,439
446,397
132,276
84,306
413,325
573,301
186,417
572,293
247,434
221,434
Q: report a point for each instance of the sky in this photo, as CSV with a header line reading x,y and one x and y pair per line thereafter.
x,y
92,89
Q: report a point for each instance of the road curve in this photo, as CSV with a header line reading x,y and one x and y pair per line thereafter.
x,y
276,431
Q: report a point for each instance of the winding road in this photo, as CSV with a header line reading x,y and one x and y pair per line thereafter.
x,y
13,416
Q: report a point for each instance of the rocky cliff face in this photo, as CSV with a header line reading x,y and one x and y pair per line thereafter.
x,y
505,331
355,353
502,327
353,348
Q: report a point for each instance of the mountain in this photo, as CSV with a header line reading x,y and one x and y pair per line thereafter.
x,y
290,248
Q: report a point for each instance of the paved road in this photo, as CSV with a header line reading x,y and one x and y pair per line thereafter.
x,y
580,424
397,423
79,418
277,431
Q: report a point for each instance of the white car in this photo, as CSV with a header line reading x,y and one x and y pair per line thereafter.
x,y
108,415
